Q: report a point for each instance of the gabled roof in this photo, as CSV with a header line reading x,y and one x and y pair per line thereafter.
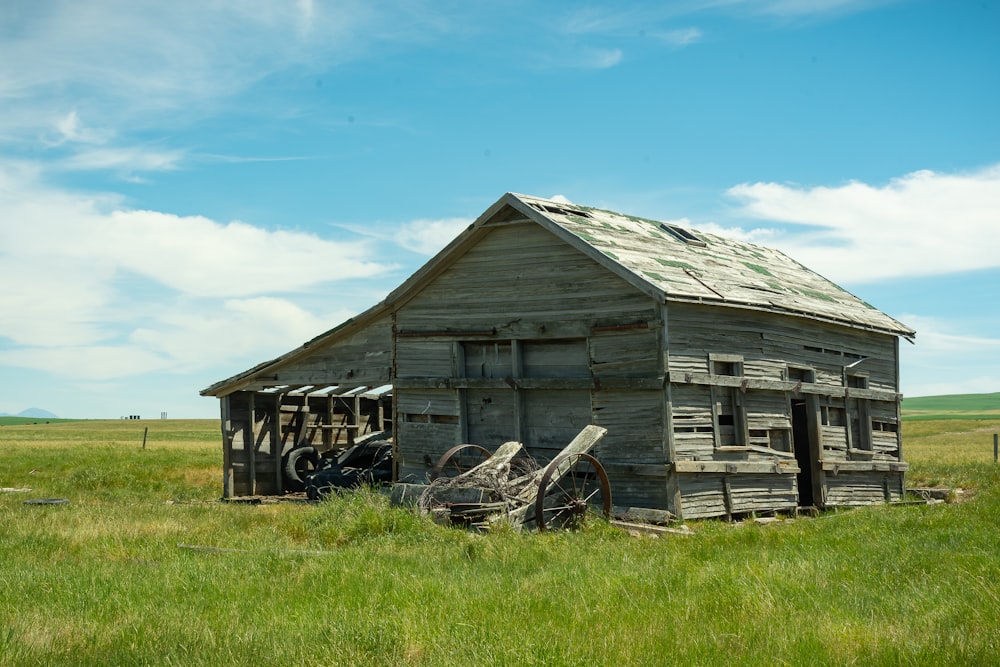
x,y
679,264
670,263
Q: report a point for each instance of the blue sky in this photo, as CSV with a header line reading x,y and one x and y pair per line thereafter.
x,y
187,189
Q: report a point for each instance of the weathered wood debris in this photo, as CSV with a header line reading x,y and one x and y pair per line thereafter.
x,y
509,486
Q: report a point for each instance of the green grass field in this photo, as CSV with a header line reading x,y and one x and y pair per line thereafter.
x,y
28,421
109,578
956,406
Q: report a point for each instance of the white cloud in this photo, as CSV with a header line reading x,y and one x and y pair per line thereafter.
x,y
946,360
94,362
429,236
132,158
680,37
71,129
601,58
103,291
801,8
195,335
923,223
581,57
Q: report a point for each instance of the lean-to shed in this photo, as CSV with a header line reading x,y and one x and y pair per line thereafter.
x,y
731,378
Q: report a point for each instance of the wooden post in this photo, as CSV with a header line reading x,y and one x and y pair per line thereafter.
x,y
145,432
996,446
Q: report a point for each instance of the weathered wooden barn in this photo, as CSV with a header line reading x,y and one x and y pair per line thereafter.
x,y
730,378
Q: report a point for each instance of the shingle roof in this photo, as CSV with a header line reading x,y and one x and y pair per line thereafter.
x,y
687,265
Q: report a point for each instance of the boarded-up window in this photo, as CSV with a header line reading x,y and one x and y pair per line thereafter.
x,y
544,420
555,359
487,360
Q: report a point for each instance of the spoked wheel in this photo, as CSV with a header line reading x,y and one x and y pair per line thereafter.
x,y
459,459
574,489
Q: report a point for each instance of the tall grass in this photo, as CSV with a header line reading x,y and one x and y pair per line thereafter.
x,y
109,578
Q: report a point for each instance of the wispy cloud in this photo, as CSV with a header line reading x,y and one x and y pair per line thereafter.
x,y
87,78
923,223
624,23
429,236
942,347
599,58
679,37
803,8
123,159
70,129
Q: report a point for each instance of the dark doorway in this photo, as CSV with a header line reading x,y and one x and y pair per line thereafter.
x,y
800,438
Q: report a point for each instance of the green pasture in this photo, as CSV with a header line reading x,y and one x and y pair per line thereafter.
x,y
955,406
144,566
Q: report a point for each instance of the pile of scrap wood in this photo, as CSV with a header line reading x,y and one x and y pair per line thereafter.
x,y
507,486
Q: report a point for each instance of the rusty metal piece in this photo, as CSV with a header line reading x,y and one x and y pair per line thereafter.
x,y
573,486
453,462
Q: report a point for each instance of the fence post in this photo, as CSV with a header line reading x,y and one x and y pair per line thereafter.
x,y
996,446
145,432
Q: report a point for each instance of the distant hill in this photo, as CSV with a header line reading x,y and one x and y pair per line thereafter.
x,y
955,406
31,413
37,413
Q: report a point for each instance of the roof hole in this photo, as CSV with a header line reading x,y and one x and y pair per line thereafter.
x,y
682,234
560,210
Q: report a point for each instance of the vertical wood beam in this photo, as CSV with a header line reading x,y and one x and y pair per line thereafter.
x,y
227,447
395,401
899,401
727,496
713,397
517,368
674,501
461,395
274,417
252,449
816,449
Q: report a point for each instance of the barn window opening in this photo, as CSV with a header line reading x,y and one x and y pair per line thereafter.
x,y
726,364
683,235
690,424
419,418
801,374
832,416
780,439
726,368
857,381
884,426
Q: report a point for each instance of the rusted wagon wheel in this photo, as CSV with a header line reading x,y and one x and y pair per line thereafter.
x,y
459,459
574,489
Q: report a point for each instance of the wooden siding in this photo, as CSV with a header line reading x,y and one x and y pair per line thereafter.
x,y
633,450
734,377
427,421
712,494
517,357
770,343
850,488
522,282
363,358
